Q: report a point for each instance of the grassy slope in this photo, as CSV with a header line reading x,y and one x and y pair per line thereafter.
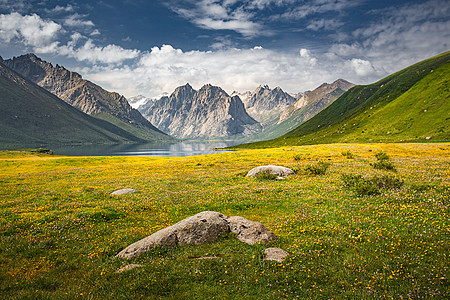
x,y
142,132
33,116
395,104
60,229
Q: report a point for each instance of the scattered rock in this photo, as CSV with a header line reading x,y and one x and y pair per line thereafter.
x,y
123,192
276,254
250,232
276,170
128,268
201,228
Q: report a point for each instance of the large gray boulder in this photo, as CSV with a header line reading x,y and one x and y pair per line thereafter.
x,y
276,170
250,232
201,228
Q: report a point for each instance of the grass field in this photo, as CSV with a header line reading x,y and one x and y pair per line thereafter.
x,y
347,238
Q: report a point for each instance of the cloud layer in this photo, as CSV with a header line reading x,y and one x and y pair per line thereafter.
x,y
395,39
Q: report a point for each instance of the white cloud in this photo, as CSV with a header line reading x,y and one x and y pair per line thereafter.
x,y
362,67
401,37
110,54
30,29
42,36
322,24
95,32
60,9
77,20
220,15
309,8
165,68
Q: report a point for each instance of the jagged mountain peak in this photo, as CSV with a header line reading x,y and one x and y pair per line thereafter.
x,y
212,91
263,87
208,112
265,104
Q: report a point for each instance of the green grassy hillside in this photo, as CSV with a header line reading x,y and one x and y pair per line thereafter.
x,y
31,116
411,105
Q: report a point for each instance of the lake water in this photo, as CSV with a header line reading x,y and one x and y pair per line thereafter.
x,y
160,149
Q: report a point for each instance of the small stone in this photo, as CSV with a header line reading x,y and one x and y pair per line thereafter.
x,y
250,232
276,254
128,268
123,192
276,170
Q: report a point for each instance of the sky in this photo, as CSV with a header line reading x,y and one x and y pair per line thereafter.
x,y
150,47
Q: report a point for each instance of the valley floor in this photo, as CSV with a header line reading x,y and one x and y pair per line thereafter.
x,y
384,234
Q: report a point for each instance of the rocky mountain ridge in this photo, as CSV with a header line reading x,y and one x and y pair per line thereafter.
x,y
84,95
208,112
317,99
265,104
33,117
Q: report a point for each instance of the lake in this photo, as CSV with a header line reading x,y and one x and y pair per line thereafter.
x,y
185,148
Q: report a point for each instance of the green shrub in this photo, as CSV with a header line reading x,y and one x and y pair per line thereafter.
x,y
372,185
382,156
348,154
383,162
319,169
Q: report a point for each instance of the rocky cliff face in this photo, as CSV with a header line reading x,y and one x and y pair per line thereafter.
x,y
80,93
311,103
265,104
208,112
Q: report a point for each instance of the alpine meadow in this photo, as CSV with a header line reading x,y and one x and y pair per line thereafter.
x,y
225,149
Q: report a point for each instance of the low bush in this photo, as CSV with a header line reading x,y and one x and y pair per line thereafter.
x,y
319,169
372,185
383,162
297,157
348,154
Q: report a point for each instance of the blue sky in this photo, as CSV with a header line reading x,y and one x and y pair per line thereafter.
x,y
151,47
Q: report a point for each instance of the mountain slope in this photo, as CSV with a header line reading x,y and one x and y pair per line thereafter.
x,y
85,95
32,116
265,105
206,113
306,107
410,105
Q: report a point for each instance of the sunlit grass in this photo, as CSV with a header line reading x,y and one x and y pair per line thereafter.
x,y
60,229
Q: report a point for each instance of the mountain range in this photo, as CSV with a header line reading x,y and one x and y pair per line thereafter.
x,y
85,96
262,114
411,105
265,105
206,113
306,106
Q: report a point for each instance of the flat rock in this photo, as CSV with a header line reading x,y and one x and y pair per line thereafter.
x,y
123,192
204,227
128,268
276,254
276,170
250,232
